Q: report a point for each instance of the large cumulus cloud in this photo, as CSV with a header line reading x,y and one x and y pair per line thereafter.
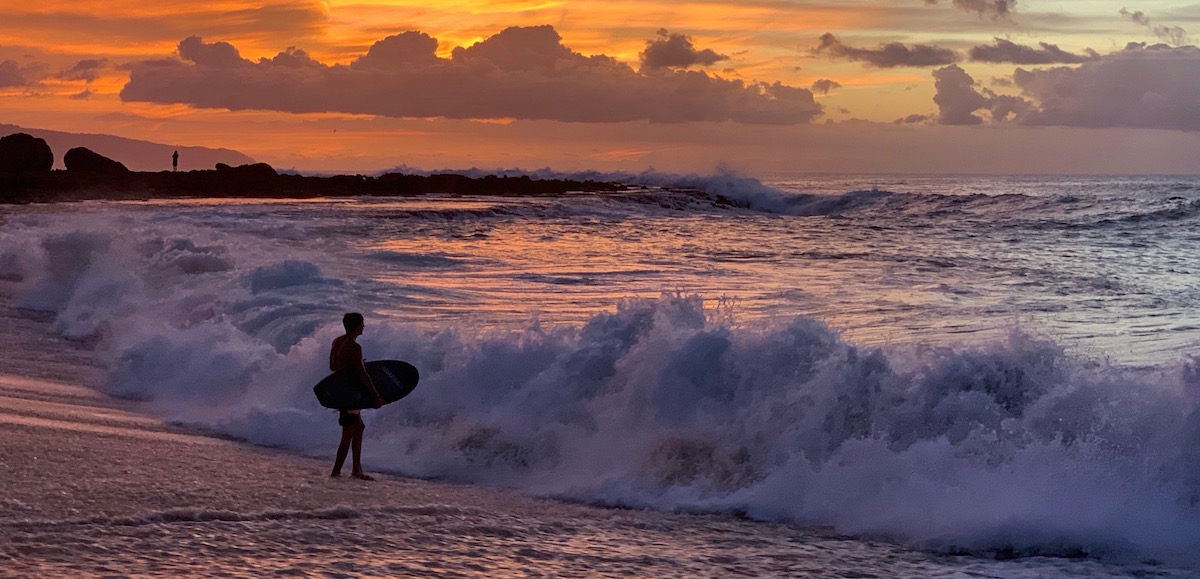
x,y
1144,87
519,73
1154,87
956,97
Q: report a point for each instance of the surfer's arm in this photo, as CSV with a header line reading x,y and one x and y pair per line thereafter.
x,y
334,350
366,380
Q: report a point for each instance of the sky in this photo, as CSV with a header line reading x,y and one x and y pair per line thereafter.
x,y
760,87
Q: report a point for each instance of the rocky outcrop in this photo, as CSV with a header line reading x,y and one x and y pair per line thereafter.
x,y
251,171
22,153
88,161
92,176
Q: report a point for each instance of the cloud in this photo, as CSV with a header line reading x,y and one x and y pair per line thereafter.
x,y
676,51
88,69
912,119
1005,108
1173,34
406,49
1140,87
1137,17
992,8
956,97
519,73
194,48
958,101
10,74
13,74
131,23
890,55
824,85
1155,87
1007,51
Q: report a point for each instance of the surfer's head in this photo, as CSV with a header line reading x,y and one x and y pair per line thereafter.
x,y
353,322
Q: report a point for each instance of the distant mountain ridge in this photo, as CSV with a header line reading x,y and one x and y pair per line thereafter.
x,y
136,154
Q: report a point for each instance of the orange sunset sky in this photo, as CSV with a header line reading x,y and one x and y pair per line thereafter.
x,y
768,86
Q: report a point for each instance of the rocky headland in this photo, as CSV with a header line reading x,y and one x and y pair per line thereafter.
x,y
27,176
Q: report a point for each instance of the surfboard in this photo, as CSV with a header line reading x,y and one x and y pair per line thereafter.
x,y
342,390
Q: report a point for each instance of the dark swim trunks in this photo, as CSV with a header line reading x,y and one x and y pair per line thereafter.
x,y
349,418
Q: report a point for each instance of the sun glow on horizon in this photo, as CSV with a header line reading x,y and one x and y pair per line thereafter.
x,y
64,64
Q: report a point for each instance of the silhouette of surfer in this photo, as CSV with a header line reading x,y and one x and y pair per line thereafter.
x,y
175,161
347,353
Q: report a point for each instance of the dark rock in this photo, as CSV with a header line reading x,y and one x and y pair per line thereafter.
x,y
83,159
24,153
259,181
251,171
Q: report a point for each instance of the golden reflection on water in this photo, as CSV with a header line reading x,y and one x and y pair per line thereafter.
x,y
498,262
566,270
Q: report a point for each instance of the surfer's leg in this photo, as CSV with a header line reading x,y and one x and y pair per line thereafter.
x,y
348,430
343,448
357,446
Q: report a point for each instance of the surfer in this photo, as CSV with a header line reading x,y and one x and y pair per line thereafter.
x,y
347,353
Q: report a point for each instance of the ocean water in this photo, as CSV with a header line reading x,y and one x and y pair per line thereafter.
x,y
980,366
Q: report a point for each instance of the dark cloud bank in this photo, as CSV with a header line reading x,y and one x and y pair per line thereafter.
x,y
895,54
1002,50
519,73
1148,87
890,55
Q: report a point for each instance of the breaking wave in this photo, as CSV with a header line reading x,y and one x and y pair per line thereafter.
x,y
722,186
1135,203
1014,447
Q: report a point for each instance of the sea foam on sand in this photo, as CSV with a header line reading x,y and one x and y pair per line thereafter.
x,y
92,486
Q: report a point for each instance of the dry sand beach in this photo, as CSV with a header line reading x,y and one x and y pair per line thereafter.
x,y
96,487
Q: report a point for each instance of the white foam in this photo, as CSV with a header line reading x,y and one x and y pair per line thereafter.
x,y
1013,446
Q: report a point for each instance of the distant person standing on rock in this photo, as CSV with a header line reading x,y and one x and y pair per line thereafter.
x,y
175,161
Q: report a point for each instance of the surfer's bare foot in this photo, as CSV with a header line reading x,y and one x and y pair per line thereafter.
x,y
335,474
362,476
